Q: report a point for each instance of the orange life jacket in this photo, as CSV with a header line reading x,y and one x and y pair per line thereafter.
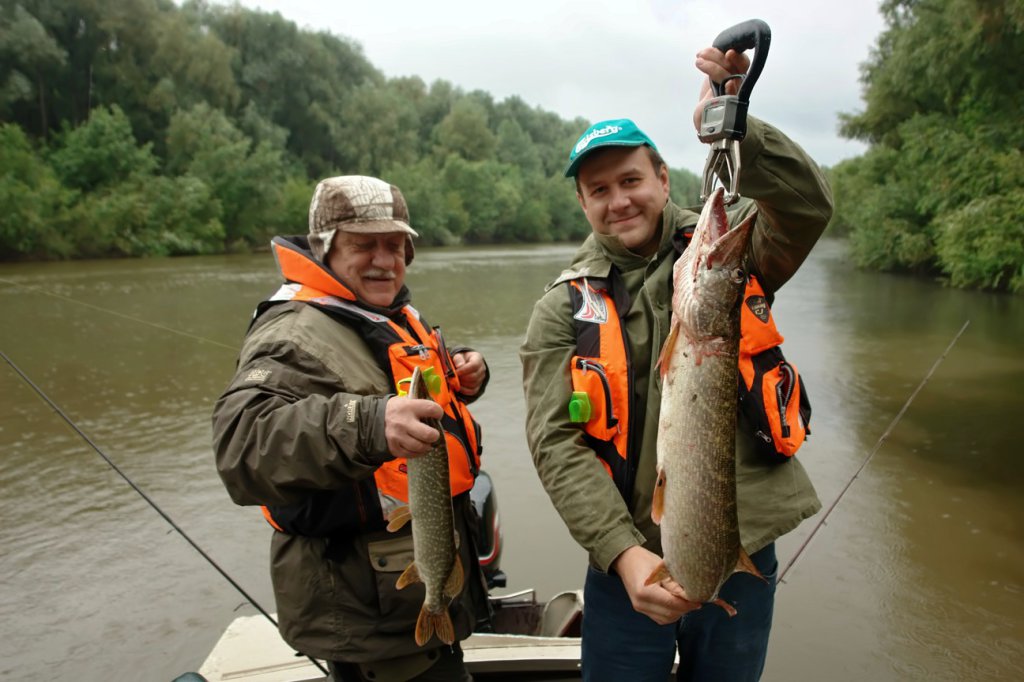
x,y
771,391
398,348
602,378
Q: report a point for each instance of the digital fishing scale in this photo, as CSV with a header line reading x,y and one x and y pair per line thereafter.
x,y
723,119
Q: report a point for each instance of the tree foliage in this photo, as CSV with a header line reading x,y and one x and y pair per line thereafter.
x,y
145,127
939,188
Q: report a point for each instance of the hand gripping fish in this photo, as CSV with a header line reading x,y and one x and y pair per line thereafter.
x,y
695,494
435,555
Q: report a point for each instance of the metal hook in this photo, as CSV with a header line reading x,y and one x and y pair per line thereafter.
x,y
723,163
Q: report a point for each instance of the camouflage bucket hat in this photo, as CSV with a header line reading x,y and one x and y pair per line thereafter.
x,y
358,204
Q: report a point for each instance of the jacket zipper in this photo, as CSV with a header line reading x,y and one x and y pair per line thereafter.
x,y
609,410
783,394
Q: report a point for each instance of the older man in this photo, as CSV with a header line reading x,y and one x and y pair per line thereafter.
x,y
310,429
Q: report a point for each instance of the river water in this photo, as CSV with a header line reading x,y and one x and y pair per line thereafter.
x,y
918,574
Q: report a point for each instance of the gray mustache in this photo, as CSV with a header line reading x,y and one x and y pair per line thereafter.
x,y
375,273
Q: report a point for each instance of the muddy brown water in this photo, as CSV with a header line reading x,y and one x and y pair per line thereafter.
x,y
919,573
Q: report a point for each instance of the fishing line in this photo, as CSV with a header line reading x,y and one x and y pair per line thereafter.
x,y
878,445
117,314
144,496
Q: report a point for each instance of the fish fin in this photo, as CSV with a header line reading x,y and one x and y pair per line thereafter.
x,y
660,573
658,501
444,627
398,517
666,350
725,605
453,586
746,565
410,575
429,624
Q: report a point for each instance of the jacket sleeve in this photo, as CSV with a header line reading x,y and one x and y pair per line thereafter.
x,y
793,199
286,425
579,487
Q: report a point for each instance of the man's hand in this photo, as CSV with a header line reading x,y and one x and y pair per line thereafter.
x,y
404,429
718,67
471,370
663,602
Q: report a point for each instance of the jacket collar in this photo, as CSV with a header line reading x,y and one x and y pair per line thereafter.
x,y
599,253
296,264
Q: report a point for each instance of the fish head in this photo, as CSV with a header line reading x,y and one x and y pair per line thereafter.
x,y
709,277
418,385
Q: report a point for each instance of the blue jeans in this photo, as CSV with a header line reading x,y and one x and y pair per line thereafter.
x,y
620,644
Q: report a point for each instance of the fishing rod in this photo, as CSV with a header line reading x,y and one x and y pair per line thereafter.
x,y
144,496
878,445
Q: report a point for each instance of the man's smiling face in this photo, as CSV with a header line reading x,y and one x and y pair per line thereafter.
x,y
373,265
622,194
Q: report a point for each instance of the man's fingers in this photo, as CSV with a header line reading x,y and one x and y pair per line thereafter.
x,y
661,603
405,431
719,66
422,433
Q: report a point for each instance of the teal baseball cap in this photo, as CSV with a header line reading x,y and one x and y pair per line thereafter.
x,y
618,132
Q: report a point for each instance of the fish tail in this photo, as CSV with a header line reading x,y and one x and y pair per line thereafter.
x,y
429,624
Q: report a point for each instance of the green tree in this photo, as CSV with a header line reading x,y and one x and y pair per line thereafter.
x,y
298,79
430,209
464,132
101,152
942,104
515,147
380,128
245,179
981,245
30,57
685,187
34,219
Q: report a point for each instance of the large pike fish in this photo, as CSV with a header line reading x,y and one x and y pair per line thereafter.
x,y
435,555
695,495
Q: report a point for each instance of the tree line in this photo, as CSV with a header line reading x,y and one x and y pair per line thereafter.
x,y
138,127
940,192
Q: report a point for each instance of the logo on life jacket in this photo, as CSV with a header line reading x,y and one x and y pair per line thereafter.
x,y
759,306
593,308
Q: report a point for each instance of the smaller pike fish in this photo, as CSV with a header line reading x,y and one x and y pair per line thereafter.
x,y
435,554
695,496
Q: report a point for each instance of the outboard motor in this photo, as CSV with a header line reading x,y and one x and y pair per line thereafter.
x,y
488,540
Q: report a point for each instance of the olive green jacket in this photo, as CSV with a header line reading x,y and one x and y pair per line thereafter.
x,y
794,205
305,412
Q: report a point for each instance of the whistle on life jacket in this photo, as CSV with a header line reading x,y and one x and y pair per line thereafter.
x,y
579,407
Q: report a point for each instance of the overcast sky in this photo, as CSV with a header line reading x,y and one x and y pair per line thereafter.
x,y
598,60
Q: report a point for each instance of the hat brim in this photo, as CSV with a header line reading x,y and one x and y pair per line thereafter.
x,y
574,166
376,227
